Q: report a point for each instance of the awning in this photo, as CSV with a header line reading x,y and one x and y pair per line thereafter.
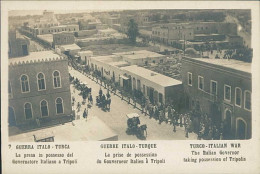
x,y
124,77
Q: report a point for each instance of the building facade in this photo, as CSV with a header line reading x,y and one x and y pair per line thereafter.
x,y
221,89
168,33
18,46
157,87
63,38
39,87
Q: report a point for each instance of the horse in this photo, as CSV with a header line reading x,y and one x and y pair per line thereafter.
x,y
141,131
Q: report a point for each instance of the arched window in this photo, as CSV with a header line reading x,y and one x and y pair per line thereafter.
x,y
44,108
56,79
59,106
25,83
41,81
28,110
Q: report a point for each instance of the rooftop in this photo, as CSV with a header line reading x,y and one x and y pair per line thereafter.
x,y
119,63
61,26
46,37
34,57
70,47
139,54
228,63
94,129
152,76
107,58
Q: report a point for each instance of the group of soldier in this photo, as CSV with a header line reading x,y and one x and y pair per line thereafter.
x,y
104,101
208,130
203,125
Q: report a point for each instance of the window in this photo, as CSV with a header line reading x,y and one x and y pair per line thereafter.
x,y
25,84
238,97
56,79
59,106
28,111
189,79
41,81
227,93
9,89
201,83
213,87
247,100
44,108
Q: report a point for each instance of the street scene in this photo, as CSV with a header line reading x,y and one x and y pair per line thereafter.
x,y
130,75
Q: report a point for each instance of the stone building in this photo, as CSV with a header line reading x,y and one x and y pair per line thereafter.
x,y
18,45
221,89
63,38
39,87
206,31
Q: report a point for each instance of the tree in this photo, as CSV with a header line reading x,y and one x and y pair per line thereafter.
x,y
132,31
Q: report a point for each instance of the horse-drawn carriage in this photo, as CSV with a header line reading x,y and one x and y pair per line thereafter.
x,y
134,127
103,102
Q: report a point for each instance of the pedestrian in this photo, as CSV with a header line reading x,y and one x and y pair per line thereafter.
x,y
109,103
100,92
78,106
187,130
174,125
91,98
181,120
85,113
108,95
73,100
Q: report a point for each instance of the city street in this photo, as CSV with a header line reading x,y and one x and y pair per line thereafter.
x,y
116,119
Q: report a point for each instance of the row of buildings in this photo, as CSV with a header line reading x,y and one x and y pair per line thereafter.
x,y
218,32
39,81
39,85
220,87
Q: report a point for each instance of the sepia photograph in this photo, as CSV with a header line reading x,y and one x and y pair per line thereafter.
x,y
130,87
116,75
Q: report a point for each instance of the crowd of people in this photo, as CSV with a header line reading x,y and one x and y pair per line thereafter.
x,y
202,125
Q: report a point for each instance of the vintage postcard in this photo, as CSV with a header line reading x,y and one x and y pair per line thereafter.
x,y
130,87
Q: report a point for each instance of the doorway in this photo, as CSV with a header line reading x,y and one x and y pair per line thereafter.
x,y
25,50
241,129
227,125
11,117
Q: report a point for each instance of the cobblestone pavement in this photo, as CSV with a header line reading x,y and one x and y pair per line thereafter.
x,y
116,119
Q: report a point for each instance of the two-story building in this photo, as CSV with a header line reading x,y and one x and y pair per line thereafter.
x,y
39,87
222,90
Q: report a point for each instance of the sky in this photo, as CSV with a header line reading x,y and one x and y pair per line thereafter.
x,y
39,12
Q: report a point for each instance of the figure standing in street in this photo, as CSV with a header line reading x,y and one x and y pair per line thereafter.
x,y
91,99
78,106
100,92
85,113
